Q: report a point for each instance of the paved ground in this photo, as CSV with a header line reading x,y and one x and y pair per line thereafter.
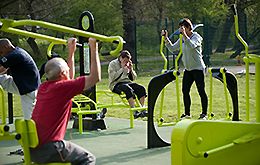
x,y
118,144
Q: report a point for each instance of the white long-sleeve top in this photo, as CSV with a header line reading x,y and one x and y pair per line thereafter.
x,y
191,50
118,74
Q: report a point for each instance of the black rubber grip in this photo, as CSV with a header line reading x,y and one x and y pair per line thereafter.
x,y
233,7
217,70
117,42
105,53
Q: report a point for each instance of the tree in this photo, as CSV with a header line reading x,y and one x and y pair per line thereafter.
x,y
129,18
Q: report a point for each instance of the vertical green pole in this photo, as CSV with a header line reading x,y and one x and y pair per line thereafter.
x,y
135,46
173,40
2,106
167,54
177,80
211,93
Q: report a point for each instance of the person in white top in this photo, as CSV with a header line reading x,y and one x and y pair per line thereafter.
x,y
193,63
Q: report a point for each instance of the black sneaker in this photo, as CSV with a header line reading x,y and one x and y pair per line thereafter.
x,y
144,113
103,112
183,116
137,114
203,117
17,152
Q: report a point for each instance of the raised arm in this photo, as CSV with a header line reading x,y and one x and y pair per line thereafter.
x,y
95,69
70,61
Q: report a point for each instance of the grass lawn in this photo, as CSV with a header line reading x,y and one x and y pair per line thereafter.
x,y
170,104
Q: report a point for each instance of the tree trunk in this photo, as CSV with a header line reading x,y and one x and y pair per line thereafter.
x,y
222,43
34,46
129,26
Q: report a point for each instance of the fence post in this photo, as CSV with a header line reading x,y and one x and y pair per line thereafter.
x,y
136,68
205,40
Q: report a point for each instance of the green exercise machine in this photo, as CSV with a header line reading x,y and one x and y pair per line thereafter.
x,y
218,141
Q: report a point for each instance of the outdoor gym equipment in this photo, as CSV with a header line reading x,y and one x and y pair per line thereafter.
x,y
176,73
123,104
84,106
26,136
155,87
10,27
86,25
230,84
4,129
221,142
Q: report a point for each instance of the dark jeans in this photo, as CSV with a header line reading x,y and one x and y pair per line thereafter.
x,y
70,152
188,78
130,89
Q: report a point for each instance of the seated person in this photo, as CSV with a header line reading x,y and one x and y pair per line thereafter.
x,y
121,74
53,107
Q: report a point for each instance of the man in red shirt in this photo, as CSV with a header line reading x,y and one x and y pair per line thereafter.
x,y
53,107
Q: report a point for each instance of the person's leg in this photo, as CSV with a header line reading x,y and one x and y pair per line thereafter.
x,y
200,83
131,102
8,84
77,154
140,91
129,92
62,151
28,102
130,96
142,100
186,85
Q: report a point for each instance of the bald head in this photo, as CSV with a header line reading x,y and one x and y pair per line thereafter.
x,y
54,68
5,47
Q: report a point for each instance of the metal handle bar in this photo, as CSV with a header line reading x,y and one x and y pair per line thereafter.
x,y
8,26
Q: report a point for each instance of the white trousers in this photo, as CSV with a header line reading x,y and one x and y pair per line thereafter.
x,y
27,100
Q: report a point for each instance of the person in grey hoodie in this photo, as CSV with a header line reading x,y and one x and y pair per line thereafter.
x,y
193,63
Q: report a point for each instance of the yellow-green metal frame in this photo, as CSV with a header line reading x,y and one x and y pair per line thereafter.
x,y
122,104
9,25
250,58
175,73
29,138
228,117
2,106
78,100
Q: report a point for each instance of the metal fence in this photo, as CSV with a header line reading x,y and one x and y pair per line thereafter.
x,y
219,45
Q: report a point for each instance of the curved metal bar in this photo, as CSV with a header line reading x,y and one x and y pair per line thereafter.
x,y
9,26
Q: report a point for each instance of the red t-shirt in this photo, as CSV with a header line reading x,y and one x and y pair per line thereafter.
x,y
52,110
